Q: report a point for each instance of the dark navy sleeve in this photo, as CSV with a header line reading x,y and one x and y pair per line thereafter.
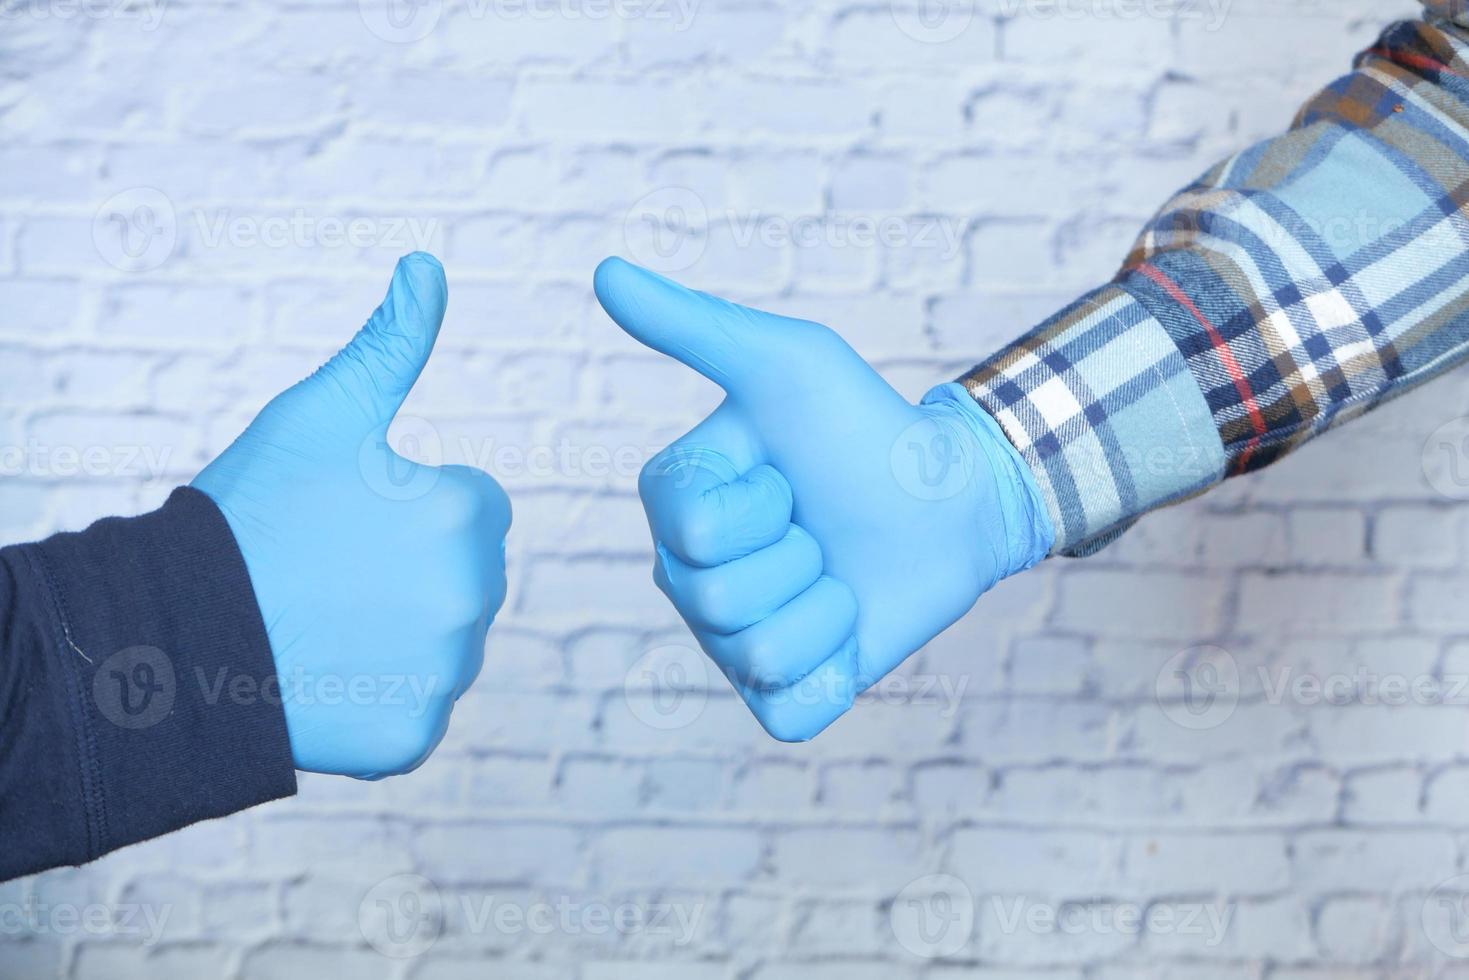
x,y
137,688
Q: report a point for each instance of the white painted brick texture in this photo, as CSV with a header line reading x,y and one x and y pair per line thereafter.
x,y
1232,745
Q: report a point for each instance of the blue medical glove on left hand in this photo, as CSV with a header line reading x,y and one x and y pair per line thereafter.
x,y
377,577
817,528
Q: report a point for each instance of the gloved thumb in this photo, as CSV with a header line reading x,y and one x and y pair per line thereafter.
x,y
721,340
379,366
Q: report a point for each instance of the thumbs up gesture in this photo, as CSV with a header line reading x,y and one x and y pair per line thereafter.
x,y
377,578
816,529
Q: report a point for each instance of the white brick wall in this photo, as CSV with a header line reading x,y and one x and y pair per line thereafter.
x,y
1185,757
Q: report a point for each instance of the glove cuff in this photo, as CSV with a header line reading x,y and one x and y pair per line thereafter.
x,y
1029,533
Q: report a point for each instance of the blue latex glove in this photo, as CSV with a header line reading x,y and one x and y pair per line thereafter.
x,y
816,529
377,578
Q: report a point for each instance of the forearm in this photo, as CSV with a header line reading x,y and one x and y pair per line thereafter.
x,y
1295,286
137,687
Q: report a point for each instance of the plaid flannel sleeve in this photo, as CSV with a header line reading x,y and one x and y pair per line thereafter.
x,y
1293,287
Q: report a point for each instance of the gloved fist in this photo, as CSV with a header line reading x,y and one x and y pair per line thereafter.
x,y
377,578
816,529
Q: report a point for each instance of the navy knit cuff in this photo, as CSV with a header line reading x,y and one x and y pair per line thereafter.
x,y
156,704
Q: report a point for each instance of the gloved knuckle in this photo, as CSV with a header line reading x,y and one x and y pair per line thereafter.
x,y
764,663
455,501
498,588
814,338
849,602
462,607
785,726
491,503
777,491
805,547
649,472
470,499
496,501
664,466
660,577
700,539
440,683
400,748
711,599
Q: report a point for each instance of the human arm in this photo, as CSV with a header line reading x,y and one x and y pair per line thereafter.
x,y
1256,312
312,602
106,737
1292,288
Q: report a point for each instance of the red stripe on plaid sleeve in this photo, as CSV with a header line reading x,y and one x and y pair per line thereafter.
x,y
1226,357
1410,59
